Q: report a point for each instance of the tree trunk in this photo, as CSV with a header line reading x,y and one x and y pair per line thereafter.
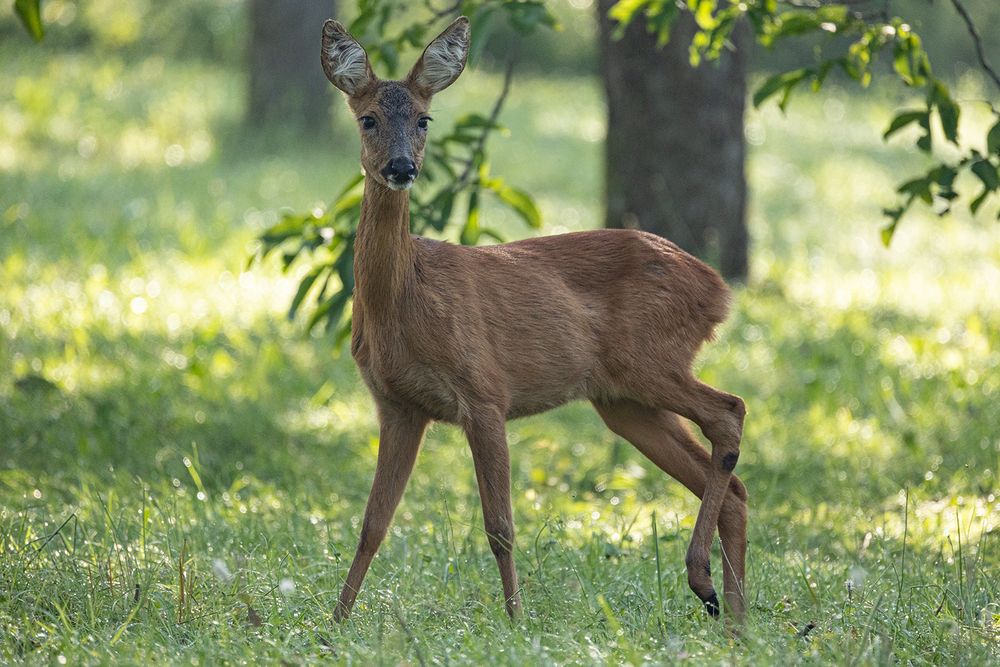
x,y
674,161
287,85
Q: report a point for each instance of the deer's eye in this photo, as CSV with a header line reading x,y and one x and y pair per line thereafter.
x,y
422,123
367,122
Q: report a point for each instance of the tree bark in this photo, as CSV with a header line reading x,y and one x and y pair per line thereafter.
x,y
675,149
287,85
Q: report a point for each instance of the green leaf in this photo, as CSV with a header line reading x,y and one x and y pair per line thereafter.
x,y
343,333
924,143
482,29
30,14
978,201
440,159
439,211
703,11
889,230
993,139
289,226
330,310
987,173
903,119
459,137
522,204
624,12
823,70
948,111
798,22
347,203
909,58
527,15
918,187
388,54
660,20
345,269
894,215
943,175
470,231
780,82
902,61
767,89
415,35
477,121
351,184
304,286
492,233
289,257
361,23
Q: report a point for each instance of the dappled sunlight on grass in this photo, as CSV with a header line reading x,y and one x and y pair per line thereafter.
x,y
158,413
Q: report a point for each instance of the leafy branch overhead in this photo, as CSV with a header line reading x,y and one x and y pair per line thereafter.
x,y
456,172
870,32
30,14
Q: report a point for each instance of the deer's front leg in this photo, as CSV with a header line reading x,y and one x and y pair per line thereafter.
x,y
488,440
399,439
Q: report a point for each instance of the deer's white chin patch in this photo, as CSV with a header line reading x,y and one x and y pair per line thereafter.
x,y
399,186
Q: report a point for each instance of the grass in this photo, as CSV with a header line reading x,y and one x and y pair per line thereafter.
x,y
182,472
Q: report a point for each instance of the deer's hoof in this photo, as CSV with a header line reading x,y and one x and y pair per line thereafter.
x,y
712,605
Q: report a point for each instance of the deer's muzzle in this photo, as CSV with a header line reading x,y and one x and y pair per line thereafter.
x,y
400,173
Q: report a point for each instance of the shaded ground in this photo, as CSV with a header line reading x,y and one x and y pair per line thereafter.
x,y
157,415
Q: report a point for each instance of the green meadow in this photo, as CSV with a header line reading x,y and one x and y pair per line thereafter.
x,y
183,470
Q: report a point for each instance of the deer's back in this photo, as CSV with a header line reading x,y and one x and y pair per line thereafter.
x,y
627,286
548,320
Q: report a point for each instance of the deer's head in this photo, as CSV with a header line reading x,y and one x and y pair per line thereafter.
x,y
392,115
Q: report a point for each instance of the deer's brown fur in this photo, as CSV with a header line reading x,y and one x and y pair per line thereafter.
x,y
477,336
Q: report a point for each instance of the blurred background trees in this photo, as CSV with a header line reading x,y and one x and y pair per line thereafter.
x,y
286,86
674,151
154,403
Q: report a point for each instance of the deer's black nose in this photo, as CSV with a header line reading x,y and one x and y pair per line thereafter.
x,y
400,170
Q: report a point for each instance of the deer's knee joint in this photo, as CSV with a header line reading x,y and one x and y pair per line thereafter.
x,y
738,488
697,564
738,407
728,462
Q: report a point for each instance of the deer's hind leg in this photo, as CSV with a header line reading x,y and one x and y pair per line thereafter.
x,y
661,436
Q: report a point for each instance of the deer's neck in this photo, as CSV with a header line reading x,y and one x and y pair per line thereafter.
x,y
383,254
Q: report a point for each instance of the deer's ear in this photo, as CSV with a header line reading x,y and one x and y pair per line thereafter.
x,y
344,60
443,59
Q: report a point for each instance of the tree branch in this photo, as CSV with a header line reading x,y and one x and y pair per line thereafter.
x,y
444,11
977,40
481,142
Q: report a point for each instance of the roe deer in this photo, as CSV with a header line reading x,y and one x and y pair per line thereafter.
x,y
475,336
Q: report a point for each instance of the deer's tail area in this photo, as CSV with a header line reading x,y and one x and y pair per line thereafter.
x,y
710,298
718,308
